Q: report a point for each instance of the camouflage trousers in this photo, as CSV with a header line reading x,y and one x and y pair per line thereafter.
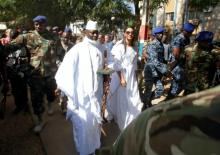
x,y
39,86
173,128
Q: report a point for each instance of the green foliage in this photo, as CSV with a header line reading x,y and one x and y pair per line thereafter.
x,y
60,12
156,4
6,5
111,14
202,4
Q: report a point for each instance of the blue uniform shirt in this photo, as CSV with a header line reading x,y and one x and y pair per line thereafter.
x,y
156,60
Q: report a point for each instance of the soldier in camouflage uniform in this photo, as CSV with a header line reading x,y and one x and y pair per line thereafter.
x,y
177,60
42,46
184,126
199,62
155,68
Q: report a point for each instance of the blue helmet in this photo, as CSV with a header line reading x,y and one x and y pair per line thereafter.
x,y
205,36
189,27
40,18
157,30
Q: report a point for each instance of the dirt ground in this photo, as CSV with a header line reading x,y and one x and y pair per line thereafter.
x,y
16,134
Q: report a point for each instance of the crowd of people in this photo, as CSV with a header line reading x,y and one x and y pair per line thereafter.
x,y
55,63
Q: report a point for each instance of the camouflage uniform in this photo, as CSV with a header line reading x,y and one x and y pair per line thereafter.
x,y
188,125
177,84
198,64
42,49
154,69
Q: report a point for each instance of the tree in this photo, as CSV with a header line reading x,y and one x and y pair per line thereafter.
x,y
202,4
60,12
111,14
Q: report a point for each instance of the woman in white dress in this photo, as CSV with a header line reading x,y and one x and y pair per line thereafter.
x,y
123,103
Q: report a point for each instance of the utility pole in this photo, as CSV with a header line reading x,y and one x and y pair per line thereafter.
x,y
180,14
160,15
143,32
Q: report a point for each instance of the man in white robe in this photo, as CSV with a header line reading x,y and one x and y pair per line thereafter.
x,y
77,77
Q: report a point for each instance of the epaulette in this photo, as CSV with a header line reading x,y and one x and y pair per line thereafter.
x,y
30,31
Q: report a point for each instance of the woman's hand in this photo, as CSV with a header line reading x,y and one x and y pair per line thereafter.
x,y
123,82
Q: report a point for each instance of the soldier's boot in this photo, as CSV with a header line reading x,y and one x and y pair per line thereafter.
x,y
50,108
40,124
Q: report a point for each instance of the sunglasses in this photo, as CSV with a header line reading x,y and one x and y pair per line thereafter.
x,y
129,32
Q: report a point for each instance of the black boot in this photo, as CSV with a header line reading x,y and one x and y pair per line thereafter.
x,y
146,105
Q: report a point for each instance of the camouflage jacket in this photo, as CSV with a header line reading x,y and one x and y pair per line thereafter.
x,y
198,63
216,52
183,126
42,49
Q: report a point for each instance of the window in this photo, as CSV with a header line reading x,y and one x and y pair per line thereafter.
x,y
170,16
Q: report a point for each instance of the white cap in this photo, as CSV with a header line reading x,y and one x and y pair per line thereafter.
x,y
91,25
3,26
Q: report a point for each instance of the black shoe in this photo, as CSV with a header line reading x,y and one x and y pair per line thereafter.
x,y
146,106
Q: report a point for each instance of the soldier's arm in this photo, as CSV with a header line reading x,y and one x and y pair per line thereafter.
x,y
176,52
176,45
16,44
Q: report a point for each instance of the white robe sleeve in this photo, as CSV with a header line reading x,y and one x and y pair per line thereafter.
x,y
117,55
65,76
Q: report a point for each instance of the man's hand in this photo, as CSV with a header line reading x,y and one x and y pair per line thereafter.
x,y
57,92
145,55
171,65
169,74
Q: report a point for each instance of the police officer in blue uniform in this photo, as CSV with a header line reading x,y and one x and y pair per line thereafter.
x,y
155,68
177,60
